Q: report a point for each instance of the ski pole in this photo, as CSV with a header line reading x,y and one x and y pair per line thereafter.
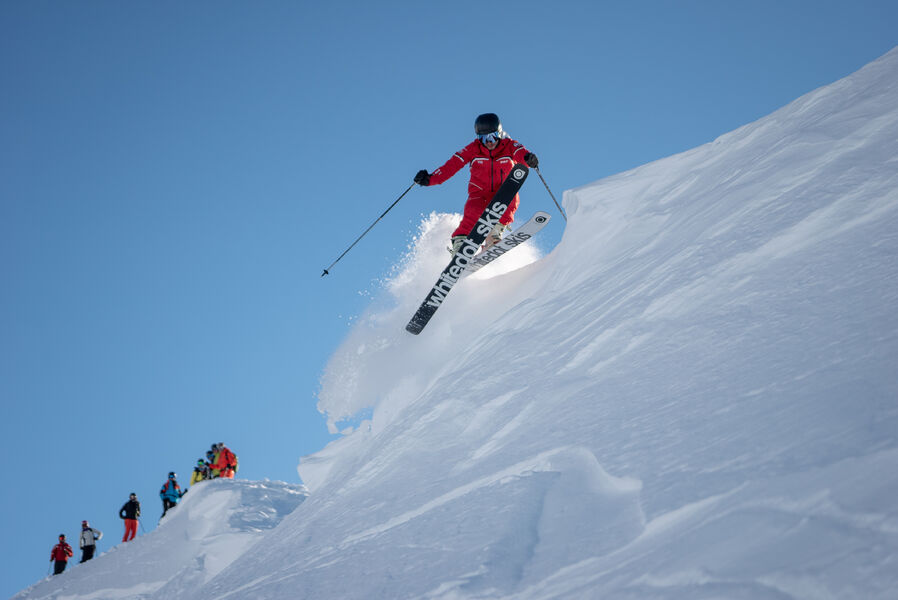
x,y
327,271
139,522
551,194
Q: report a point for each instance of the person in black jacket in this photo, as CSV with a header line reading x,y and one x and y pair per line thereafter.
x,y
130,512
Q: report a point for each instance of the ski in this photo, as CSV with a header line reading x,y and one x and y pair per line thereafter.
x,y
510,241
469,249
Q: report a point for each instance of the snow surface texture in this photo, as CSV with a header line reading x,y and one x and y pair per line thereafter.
x,y
215,522
693,396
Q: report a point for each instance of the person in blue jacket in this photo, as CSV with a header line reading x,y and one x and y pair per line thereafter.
x,y
170,493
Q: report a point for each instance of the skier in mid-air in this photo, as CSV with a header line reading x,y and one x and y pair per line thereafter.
x,y
491,156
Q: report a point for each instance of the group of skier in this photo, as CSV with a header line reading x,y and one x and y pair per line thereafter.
x,y
62,552
220,462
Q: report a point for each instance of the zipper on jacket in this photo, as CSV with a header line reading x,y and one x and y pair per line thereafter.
x,y
492,177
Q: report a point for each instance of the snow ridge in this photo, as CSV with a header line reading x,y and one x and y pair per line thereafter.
x,y
215,522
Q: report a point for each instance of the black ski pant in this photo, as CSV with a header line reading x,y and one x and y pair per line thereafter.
x,y
59,567
87,553
166,504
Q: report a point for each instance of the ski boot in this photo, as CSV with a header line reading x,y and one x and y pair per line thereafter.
x,y
455,243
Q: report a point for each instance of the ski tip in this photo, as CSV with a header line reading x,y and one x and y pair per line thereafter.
x,y
326,272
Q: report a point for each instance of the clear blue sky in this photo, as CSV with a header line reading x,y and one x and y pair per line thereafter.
x,y
175,175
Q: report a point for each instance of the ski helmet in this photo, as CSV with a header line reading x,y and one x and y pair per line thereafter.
x,y
488,123
171,474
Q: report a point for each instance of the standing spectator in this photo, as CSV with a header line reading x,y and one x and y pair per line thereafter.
x,y
201,472
226,461
130,512
212,458
170,493
88,541
60,554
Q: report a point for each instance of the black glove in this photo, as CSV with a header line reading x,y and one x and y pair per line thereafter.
x,y
531,160
422,177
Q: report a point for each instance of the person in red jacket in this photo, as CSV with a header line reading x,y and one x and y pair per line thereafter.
x,y
226,462
491,156
61,553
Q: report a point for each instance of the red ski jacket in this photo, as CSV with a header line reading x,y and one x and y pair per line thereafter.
x,y
61,551
226,463
488,167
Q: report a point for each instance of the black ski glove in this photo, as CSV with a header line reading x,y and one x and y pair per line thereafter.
x,y
531,160
422,177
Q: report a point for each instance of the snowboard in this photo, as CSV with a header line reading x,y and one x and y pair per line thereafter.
x,y
469,248
510,241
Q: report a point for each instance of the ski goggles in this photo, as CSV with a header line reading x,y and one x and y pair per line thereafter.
x,y
486,138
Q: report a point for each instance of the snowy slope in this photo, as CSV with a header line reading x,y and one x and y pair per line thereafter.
x,y
693,396
213,525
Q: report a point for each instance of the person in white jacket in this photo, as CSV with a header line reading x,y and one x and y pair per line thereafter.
x,y
88,541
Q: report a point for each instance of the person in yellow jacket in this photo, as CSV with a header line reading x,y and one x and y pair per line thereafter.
x,y
212,459
201,472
